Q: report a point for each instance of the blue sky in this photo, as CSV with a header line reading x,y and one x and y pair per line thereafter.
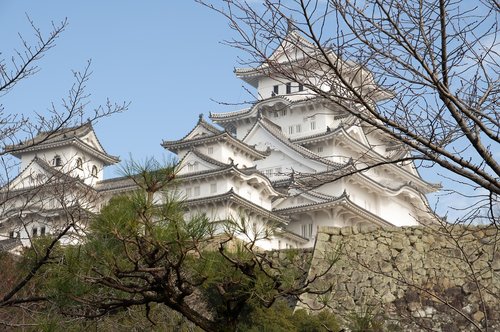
x,y
165,57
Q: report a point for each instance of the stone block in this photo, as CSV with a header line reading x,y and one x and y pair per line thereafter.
x,y
385,267
323,237
388,297
346,231
478,316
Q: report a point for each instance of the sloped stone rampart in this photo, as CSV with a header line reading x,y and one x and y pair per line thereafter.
x,y
416,278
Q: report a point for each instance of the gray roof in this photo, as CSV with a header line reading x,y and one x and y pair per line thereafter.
x,y
60,137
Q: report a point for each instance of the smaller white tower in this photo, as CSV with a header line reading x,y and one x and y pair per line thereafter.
x,y
55,185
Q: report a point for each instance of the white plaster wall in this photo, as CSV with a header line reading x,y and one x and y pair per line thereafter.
x,y
243,128
69,155
281,165
266,86
397,211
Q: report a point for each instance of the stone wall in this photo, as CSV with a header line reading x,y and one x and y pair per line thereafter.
x,y
415,278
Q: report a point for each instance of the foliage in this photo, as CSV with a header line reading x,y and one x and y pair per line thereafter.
x,y
141,251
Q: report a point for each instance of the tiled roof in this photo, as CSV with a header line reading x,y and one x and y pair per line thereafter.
x,y
342,200
187,143
202,123
51,170
9,244
205,158
61,137
231,195
297,148
122,183
252,111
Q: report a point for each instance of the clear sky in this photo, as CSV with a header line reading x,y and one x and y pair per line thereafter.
x,y
165,57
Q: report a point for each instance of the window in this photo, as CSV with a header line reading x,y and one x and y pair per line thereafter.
x,y
307,230
42,230
313,125
320,149
34,232
79,163
290,130
188,192
301,87
268,172
197,191
94,171
57,161
11,234
276,90
193,167
289,87
298,128
283,112
213,188
210,150
277,170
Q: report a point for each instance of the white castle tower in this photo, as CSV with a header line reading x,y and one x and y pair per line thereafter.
x,y
293,160
56,185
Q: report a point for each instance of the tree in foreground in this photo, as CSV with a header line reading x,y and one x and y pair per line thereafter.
x,y
21,206
422,74
140,251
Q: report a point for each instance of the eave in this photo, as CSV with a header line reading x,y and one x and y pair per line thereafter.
x,y
341,201
177,145
231,196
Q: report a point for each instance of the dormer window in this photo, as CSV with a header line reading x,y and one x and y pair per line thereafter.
x,y
79,163
57,161
94,171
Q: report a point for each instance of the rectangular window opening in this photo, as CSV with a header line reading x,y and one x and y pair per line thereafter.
x,y
276,90
289,88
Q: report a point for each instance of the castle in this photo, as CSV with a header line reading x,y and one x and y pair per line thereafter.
x,y
291,162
